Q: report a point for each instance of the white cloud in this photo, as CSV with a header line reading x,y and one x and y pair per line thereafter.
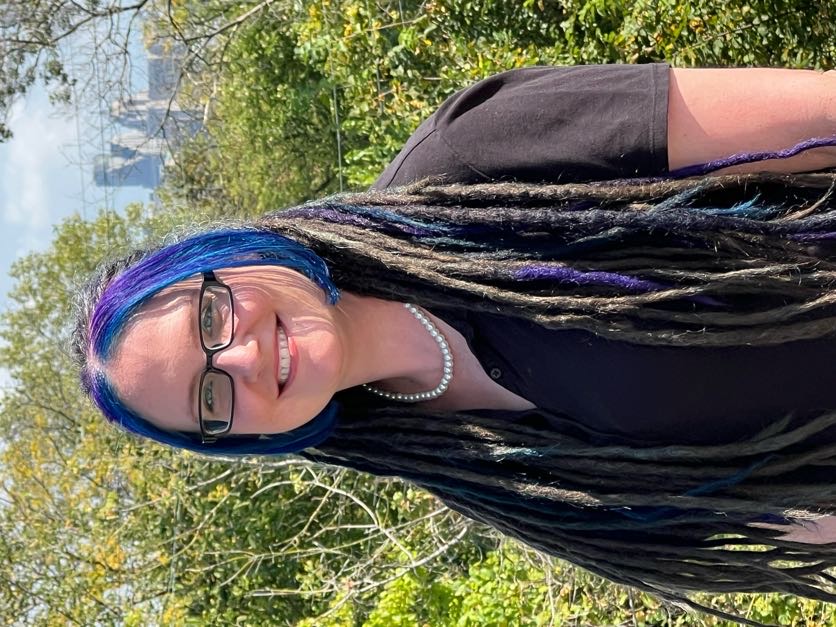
x,y
32,158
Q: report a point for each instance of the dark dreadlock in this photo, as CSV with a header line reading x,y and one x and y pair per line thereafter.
x,y
721,261
729,260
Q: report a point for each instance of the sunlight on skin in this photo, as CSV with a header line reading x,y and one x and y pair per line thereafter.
x,y
158,358
819,531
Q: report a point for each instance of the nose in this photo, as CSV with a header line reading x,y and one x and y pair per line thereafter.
x,y
243,359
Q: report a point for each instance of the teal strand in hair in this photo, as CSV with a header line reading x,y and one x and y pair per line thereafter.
x,y
368,217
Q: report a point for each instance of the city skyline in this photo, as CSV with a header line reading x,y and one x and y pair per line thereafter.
x,y
154,125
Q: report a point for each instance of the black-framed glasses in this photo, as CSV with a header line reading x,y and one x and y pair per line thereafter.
x,y
216,329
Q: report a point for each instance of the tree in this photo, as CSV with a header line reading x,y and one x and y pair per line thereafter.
x,y
79,49
299,97
94,521
317,97
36,38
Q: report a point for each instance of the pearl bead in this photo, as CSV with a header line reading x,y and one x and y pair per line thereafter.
x,y
447,365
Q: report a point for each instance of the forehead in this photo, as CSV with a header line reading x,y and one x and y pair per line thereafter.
x,y
156,357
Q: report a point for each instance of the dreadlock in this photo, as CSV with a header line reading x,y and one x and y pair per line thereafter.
x,y
723,261
720,261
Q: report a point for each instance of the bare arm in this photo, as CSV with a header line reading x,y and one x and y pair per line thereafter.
x,y
714,113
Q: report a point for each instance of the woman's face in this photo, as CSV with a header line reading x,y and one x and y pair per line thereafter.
x,y
158,361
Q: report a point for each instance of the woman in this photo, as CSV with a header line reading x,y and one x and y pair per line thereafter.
x,y
625,374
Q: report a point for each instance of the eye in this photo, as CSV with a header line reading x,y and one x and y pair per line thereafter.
x,y
208,396
208,316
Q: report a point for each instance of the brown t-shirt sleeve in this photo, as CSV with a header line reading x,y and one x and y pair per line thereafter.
x,y
544,124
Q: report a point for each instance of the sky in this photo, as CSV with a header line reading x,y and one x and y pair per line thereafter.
x,y
46,175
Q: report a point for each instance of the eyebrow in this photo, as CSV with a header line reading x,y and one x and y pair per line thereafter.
x,y
193,340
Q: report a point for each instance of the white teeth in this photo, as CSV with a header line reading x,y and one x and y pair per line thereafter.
x,y
284,357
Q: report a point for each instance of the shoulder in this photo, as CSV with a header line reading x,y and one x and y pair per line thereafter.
x,y
538,124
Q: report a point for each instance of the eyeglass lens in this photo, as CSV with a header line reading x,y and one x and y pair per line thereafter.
x,y
215,317
215,401
216,393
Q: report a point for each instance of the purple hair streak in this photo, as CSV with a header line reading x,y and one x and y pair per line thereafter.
x,y
752,157
563,274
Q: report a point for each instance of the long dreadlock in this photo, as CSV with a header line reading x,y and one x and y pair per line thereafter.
x,y
729,260
721,261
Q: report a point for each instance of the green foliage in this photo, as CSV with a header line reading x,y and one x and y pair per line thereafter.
x,y
59,488
700,32
316,96
740,33
305,97
514,587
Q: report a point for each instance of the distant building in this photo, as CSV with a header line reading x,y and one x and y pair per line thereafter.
x,y
160,118
164,63
129,145
157,124
141,171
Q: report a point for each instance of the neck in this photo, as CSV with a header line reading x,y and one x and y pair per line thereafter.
x,y
387,345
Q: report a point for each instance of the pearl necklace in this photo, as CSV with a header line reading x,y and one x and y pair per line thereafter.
x,y
446,355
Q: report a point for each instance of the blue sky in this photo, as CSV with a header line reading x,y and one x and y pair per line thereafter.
x,y
46,169
46,174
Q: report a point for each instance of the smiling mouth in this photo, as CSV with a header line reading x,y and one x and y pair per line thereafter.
x,y
284,357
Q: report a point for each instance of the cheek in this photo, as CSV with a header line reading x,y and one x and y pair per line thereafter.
x,y
253,412
319,344
252,305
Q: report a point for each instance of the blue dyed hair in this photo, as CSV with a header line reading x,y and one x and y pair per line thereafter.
x,y
128,291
